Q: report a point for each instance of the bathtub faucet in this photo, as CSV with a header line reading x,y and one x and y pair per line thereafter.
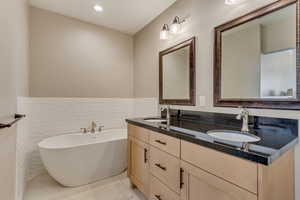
x,y
84,130
100,128
93,127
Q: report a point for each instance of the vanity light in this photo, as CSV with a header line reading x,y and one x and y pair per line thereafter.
x,y
164,33
174,28
98,8
176,25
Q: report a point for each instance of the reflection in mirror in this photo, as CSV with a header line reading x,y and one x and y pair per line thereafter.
x,y
177,74
259,58
176,71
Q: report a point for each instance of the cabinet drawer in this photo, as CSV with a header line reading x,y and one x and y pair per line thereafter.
x,y
138,133
235,170
158,191
165,143
166,168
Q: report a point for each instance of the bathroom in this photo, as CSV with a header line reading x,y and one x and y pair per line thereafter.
x,y
69,67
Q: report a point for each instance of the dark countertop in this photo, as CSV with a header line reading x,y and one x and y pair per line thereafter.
x,y
277,135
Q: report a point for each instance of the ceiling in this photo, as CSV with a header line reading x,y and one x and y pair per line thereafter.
x,y
127,16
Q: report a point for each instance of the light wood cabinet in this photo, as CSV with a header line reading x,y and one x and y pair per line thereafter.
x,y
276,182
200,185
138,133
139,165
165,167
159,191
233,169
165,143
138,158
174,169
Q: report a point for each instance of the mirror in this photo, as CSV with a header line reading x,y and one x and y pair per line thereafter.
x,y
177,71
255,59
176,83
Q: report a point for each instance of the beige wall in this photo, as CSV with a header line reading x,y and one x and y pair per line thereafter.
x,y
70,58
204,15
13,82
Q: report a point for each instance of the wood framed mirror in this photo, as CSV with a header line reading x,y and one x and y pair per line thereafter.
x,y
256,59
177,74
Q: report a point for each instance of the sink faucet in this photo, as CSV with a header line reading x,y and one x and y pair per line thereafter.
x,y
167,108
244,114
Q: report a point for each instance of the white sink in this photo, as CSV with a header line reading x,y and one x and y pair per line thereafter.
x,y
154,120
233,136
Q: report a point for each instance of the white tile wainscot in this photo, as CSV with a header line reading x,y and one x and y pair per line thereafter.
x,y
47,117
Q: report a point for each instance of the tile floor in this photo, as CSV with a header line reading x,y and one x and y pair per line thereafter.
x,y
44,187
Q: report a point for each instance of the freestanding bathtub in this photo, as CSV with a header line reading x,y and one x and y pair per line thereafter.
x,y
79,159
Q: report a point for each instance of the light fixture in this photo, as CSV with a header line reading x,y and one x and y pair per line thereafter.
x,y
232,2
164,33
176,25
98,8
175,28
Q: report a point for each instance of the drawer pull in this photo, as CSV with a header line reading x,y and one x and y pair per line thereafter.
x,y
161,167
181,178
145,155
158,197
160,142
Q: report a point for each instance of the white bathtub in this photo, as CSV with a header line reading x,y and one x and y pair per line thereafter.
x,y
79,159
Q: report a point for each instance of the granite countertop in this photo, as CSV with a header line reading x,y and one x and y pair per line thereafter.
x,y
276,139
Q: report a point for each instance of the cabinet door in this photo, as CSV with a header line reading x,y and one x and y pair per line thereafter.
x,y
200,185
139,165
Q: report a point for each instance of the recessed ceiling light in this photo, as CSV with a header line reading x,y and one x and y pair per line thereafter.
x,y
98,8
232,2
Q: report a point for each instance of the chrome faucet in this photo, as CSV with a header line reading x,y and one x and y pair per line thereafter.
x,y
84,130
244,114
93,127
100,128
167,108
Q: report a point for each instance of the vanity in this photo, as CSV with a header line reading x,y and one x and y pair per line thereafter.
x,y
181,161
193,155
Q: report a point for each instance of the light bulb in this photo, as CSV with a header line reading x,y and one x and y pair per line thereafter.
x,y
176,25
175,28
164,33
98,8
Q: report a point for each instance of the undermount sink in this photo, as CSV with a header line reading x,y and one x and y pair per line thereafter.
x,y
233,136
155,120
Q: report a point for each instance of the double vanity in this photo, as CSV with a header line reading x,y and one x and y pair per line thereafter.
x,y
180,160
212,156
